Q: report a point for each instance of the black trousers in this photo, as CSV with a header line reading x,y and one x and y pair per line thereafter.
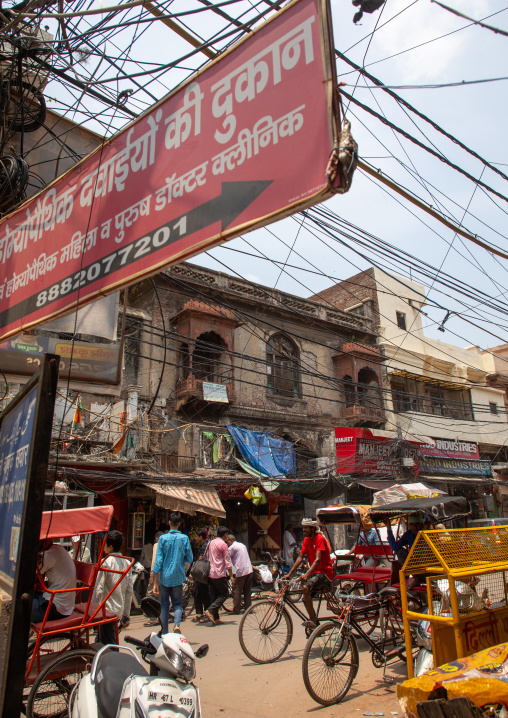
x,y
242,589
201,597
107,633
218,594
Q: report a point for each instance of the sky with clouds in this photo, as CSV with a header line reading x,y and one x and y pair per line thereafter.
x,y
414,43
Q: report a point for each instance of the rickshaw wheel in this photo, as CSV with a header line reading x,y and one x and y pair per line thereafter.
x,y
49,644
370,622
50,693
330,663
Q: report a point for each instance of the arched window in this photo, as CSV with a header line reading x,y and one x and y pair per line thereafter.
x,y
283,368
208,358
349,390
369,392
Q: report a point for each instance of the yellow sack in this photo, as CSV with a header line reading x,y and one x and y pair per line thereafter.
x,y
248,493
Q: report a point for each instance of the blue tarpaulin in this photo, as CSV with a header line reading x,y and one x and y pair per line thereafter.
x,y
268,455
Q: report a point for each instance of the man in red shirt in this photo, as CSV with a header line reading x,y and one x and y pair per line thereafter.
x,y
320,573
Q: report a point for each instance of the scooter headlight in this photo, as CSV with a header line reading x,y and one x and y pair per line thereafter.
x,y
174,658
189,668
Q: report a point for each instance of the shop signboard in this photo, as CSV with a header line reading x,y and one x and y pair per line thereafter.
x,y
215,392
450,467
243,142
360,452
93,363
25,437
451,449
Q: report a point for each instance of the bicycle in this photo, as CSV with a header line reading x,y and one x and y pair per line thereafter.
x,y
331,657
266,628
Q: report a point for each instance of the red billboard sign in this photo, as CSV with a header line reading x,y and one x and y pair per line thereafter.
x,y
451,449
359,452
244,142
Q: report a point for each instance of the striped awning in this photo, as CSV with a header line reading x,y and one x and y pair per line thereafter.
x,y
188,499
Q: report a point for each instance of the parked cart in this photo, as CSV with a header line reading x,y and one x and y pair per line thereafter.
x,y
48,681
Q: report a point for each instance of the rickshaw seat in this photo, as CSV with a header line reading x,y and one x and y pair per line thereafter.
x,y
86,573
60,624
92,607
367,574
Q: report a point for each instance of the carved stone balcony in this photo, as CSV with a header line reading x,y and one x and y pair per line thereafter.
x,y
191,389
363,350
359,415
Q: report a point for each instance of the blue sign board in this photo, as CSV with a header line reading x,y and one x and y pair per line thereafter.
x,y
460,467
15,440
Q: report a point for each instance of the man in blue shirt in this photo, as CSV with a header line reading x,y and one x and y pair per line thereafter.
x,y
173,552
415,524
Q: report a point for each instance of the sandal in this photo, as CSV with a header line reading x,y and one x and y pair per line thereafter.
x,y
197,619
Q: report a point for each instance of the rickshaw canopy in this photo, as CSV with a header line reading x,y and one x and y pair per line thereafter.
x,y
345,515
439,508
74,522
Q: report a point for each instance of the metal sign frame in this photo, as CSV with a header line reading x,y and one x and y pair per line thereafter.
x,y
43,386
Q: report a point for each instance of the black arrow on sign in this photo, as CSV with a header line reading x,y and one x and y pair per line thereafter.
x,y
234,198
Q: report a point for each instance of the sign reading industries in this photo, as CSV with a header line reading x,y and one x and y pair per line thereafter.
x,y
15,439
242,143
479,467
445,448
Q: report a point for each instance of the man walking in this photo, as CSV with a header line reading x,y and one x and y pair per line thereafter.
x,y
320,573
220,564
201,590
288,545
243,577
173,552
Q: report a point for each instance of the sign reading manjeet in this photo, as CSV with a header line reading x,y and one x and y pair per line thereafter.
x,y
244,142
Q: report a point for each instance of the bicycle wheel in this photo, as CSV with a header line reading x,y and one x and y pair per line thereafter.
x,y
265,631
368,622
187,604
330,663
228,603
49,697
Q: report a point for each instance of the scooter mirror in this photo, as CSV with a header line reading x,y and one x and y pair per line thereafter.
x,y
202,651
151,607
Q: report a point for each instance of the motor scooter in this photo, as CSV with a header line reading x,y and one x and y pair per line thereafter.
x,y
118,685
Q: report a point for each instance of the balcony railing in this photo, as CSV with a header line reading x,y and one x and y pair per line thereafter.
x,y
359,413
172,463
190,387
403,403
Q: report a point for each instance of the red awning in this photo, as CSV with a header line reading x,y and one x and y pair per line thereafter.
x,y
73,522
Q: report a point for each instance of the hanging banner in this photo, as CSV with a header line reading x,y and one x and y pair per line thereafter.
x,y
241,144
92,363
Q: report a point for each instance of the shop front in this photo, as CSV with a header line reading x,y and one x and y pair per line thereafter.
x,y
257,517
151,504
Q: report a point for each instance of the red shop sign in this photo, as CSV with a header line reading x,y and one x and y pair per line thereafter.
x,y
359,451
242,143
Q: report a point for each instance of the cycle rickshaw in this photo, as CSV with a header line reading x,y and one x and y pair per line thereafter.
x,y
331,656
266,628
62,649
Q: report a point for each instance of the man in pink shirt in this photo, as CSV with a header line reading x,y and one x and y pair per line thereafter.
x,y
220,565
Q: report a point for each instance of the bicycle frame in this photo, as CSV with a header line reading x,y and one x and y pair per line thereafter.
x,y
281,601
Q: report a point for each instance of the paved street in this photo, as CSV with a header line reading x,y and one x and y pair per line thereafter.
x,y
232,686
